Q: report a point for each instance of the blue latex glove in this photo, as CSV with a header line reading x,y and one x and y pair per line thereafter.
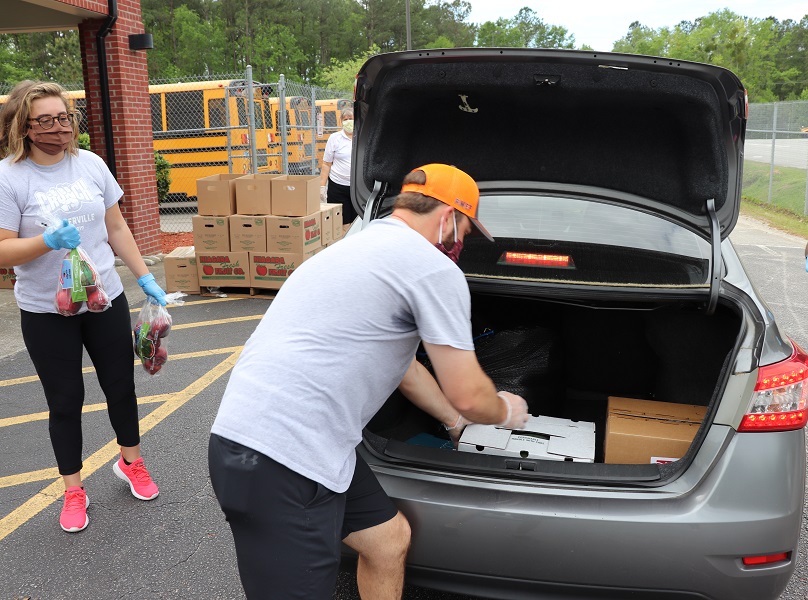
x,y
65,236
151,289
806,263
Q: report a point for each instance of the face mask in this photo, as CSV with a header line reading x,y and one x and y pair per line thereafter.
x,y
347,126
457,247
51,142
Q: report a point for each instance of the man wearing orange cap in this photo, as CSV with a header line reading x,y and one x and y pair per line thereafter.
x,y
337,340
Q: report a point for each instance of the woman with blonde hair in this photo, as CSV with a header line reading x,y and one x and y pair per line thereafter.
x,y
54,196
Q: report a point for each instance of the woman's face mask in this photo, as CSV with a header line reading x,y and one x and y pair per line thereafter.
x,y
457,246
50,142
347,126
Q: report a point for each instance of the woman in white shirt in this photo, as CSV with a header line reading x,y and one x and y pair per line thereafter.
x,y
335,176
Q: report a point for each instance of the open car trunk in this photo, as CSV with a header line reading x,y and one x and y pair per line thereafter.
x,y
566,360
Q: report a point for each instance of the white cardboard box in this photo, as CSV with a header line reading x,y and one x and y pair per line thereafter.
x,y
543,438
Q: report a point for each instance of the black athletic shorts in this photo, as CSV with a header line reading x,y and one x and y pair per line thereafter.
x,y
288,529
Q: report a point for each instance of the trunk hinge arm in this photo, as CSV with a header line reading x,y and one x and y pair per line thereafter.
x,y
374,203
715,260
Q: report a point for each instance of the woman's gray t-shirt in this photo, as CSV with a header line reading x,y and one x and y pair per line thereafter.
x,y
77,188
336,342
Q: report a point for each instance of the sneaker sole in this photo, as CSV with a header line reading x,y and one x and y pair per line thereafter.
x,y
86,520
122,475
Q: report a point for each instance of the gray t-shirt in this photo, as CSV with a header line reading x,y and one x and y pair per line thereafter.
x,y
77,188
335,343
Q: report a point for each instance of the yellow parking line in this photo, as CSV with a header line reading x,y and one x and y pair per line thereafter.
x,y
85,370
98,459
29,477
191,303
87,408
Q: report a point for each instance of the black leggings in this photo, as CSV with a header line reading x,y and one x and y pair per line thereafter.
x,y
55,345
341,194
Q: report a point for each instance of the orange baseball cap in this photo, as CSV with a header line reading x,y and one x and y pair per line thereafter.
x,y
451,186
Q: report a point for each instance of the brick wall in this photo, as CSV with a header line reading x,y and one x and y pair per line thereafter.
x,y
131,117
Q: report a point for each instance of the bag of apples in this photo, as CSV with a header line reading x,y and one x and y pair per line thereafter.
x,y
151,328
79,283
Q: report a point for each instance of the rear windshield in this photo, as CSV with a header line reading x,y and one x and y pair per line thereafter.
x,y
545,238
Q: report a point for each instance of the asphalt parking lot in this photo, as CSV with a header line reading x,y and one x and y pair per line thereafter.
x,y
178,546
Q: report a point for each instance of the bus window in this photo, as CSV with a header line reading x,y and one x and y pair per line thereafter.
x,y
241,103
288,118
155,100
329,118
258,114
268,115
184,110
216,112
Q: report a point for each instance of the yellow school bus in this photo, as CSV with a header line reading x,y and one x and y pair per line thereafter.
x,y
299,133
202,129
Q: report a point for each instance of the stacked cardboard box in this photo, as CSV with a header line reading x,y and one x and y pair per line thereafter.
x,y
180,269
7,278
254,230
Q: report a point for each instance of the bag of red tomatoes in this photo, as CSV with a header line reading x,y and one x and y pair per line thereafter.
x,y
151,329
79,283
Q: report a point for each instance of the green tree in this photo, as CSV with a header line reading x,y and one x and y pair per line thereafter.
x,y
525,30
340,75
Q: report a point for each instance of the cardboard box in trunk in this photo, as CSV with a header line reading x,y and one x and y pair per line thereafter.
x,y
543,438
228,269
295,195
180,270
211,234
216,195
293,235
271,270
248,232
647,432
7,278
254,194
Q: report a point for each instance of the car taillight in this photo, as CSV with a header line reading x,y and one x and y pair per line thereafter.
x,y
780,399
766,559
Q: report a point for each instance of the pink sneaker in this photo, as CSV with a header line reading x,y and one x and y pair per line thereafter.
x,y
74,511
138,478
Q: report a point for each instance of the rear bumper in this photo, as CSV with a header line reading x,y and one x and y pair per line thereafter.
x,y
686,540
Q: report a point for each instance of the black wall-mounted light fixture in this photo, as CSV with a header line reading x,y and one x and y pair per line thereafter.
x,y
141,41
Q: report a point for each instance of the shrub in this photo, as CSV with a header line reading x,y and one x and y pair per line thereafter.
x,y
84,141
163,169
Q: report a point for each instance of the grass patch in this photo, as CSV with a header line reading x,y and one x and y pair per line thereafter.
x,y
775,216
788,185
785,212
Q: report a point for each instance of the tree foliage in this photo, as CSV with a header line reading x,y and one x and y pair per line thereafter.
x,y
770,56
325,41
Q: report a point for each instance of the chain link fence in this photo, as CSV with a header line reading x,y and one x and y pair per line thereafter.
x,y
221,124
203,126
776,155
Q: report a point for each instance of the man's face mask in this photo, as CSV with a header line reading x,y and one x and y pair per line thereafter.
x,y
347,126
457,246
50,142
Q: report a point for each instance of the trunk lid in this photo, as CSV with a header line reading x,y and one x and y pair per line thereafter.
x,y
662,135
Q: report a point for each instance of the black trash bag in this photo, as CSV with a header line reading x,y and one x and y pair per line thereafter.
x,y
524,360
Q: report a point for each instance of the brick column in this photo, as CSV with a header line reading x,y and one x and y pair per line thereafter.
x,y
131,119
